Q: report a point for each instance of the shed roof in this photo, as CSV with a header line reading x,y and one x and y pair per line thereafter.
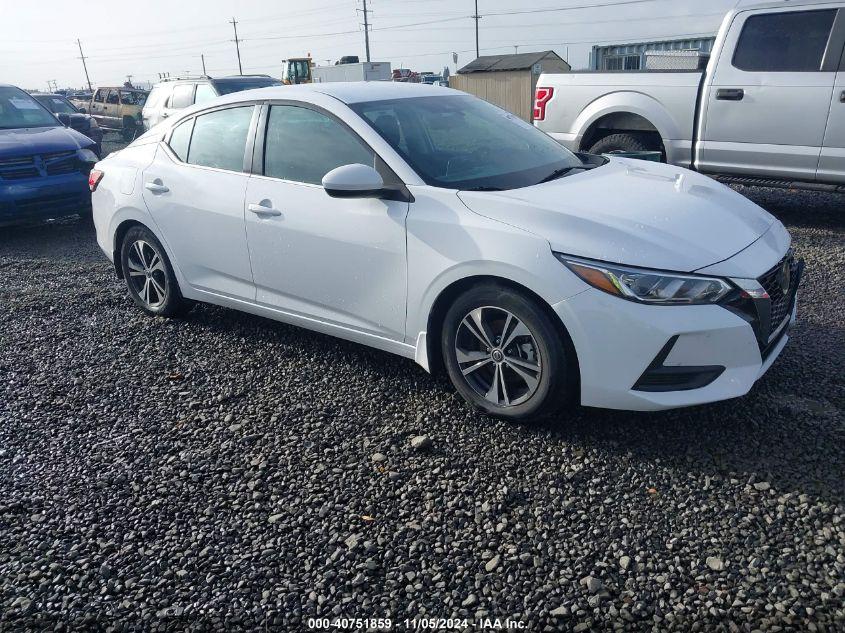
x,y
519,61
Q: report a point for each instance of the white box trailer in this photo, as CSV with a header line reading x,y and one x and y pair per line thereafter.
x,y
364,71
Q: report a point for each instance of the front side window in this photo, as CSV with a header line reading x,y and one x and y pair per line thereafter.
x,y
784,42
219,138
100,96
204,93
131,97
182,97
19,110
462,142
303,145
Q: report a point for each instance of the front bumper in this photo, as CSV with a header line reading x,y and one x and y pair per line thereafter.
x,y
618,341
42,198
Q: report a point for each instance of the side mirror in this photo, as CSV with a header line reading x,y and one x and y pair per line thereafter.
x,y
64,118
83,110
353,181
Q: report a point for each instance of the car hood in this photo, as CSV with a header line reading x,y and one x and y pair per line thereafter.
x,y
40,140
632,212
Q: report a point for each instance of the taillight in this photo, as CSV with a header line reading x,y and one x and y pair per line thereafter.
x,y
94,179
541,98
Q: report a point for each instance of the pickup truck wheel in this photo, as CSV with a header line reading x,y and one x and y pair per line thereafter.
x,y
622,141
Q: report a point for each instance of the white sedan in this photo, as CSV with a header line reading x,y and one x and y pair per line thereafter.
x,y
431,224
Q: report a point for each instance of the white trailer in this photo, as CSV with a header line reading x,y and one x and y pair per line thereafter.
x,y
364,71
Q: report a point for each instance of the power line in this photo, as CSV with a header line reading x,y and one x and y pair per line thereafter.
x,y
234,24
82,57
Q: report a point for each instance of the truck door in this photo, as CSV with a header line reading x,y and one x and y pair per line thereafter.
x,y
98,106
832,159
111,110
770,93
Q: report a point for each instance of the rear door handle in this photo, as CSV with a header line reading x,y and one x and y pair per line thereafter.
x,y
842,97
260,209
730,94
155,187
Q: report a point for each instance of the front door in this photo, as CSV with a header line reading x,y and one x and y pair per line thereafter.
x,y
195,192
338,260
769,98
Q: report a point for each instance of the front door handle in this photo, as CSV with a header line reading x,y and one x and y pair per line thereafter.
x,y
730,94
155,187
261,209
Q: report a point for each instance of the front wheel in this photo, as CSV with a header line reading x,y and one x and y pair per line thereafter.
x,y
149,275
505,356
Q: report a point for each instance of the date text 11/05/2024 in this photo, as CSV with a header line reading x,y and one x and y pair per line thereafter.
x,y
417,624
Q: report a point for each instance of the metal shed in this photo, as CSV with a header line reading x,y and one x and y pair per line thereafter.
x,y
508,81
633,56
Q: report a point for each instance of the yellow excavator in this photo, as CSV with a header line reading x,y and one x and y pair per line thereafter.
x,y
296,70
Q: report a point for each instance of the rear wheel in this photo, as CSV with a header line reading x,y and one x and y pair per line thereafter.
x,y
505,356
624,142
149,275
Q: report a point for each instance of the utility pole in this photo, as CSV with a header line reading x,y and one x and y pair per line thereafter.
x,y
82,57
366,31
202,57
476,17
234,24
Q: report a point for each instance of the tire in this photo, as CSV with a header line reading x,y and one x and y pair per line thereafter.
x,y
149,275
129,129
622,141
544,380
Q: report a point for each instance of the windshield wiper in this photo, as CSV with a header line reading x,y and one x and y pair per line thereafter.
x,y
482,188
557,173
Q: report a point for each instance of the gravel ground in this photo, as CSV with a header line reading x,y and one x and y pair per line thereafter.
x,y
226,471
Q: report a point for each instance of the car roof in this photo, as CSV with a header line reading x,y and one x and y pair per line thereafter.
x,y
347,92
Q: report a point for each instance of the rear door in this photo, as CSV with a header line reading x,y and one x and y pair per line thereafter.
x,y
768,102
832,159
195,192
111,109
98,106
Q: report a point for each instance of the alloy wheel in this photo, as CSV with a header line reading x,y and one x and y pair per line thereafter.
x,y
147,275
498,356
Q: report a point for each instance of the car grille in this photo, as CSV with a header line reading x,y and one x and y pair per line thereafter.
x,y
58,204
36,166
781,297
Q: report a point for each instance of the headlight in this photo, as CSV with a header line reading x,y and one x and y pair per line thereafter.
x,y
648,286
86,156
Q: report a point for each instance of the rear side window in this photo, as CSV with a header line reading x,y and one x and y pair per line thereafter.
x,y
112,97
182,97
181,138
100,96
204,93
219,138
784,42
303,145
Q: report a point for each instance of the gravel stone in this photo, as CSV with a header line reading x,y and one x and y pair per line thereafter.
x,y
492,564
715,563
421,442
125,507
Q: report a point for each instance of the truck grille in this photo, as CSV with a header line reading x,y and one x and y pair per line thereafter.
x,y
18,168
38,165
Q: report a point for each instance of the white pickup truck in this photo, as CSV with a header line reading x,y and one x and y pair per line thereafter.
x,y
769,109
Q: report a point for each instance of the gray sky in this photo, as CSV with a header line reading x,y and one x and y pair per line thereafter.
x,y
38,39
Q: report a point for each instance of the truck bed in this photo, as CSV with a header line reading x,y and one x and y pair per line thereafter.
x,y
583,102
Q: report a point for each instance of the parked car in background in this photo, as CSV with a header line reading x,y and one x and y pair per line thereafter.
x,y
73,118
118,109
429,223
365,71
169,97
769,109
44,166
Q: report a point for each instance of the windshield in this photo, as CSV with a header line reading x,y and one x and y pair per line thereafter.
x,y
461,142
228,86
56,104
19,110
